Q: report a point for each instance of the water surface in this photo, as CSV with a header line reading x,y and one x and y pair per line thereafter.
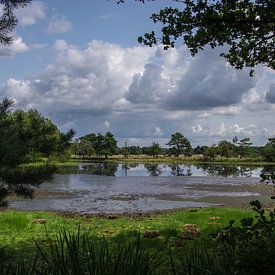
x,y
119,188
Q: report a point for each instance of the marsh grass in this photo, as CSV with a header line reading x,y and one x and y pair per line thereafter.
x,y
17,227
96,245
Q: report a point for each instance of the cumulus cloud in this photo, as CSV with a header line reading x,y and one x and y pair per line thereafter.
x,y
157,132
143,93
17,46
59,25
197,129
148,87
32,13
107,124
270,94
209,82
243,130
89,80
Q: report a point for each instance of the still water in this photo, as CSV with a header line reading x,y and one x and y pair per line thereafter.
x,y
119,188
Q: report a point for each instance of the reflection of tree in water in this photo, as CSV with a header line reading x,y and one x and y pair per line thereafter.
x,y
244,172
177,170
268,174
226,170
153,170
125,167
20,181
104,169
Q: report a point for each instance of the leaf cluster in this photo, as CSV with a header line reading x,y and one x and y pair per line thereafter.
x,y
8,20
245,27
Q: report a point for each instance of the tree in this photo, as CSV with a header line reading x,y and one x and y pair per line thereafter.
x,y
179,144
226,149
83,148
268,152
211,152
245,27
243,146
8,21
154,150
103,145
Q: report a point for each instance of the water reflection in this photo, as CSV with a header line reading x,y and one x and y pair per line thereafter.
x,y
153,170
178,170
226,170
157,170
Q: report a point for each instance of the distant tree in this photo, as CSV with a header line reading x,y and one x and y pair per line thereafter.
x,y
226,149
179,144
125,149
246,26
200,150
154,150
83,148
243,146
103,145
211,152
268,151
8,20
110,144
135,150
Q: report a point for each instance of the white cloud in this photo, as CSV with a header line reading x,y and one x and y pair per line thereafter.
x,y
107,124
32,13
144,93
108,16
17,46
157,132
59,25
197,129
270,94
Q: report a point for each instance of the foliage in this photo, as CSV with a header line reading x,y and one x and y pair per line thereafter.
x,y
268,151
26,134
179,144
250,248
83,148
226,149
8,21
81,253
246,28
243,146
211,152
103,145
154,150
75,251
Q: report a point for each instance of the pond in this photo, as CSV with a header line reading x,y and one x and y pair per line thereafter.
x,y
127,188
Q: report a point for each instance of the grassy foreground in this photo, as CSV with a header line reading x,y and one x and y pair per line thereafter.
x,y
18,228
48,243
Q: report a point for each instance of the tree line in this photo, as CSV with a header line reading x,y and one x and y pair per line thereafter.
x,y
26,136
178,145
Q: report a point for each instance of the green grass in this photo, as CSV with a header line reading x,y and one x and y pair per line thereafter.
x,y
149,159
100,245
17,228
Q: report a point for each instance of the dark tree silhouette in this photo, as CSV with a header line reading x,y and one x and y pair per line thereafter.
x,y
8,20
247,27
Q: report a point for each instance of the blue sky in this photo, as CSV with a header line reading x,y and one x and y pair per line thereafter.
x,y
81,65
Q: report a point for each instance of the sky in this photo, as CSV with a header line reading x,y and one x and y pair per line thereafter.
x,y
79,63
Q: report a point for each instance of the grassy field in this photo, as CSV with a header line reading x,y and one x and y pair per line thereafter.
x,y
149,159
70,244
18,228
